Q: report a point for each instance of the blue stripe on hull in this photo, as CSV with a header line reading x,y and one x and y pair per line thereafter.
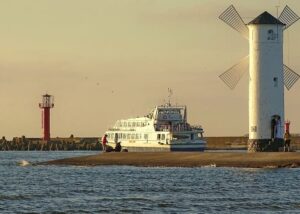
x,y
186,149
171,149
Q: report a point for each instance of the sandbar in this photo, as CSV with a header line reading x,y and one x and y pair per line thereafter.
x,y
186,159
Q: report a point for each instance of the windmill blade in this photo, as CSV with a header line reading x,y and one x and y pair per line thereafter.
x,y
231,17
232,76
288,17
290,77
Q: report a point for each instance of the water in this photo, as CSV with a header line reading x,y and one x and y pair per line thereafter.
x,y
111,189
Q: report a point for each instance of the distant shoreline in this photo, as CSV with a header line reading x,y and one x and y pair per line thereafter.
x,y
186,159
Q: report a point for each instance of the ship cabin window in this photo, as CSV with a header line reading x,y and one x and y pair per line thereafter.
x,y
128,136
123,136
132,136
138,124
120,124
136,136
158,136
133,124
143,124
163,136
119,135
129,124
146,136
125,124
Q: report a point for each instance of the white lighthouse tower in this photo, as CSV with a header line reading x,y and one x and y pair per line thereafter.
x,y
266,87
267,75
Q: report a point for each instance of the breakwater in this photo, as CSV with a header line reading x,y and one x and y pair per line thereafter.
x,y
234,143
55,144
93,144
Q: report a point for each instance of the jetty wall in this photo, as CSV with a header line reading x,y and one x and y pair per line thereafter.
x,y
55,144
93,143
235,143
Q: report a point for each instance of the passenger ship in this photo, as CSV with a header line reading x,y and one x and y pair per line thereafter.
x,y
164,129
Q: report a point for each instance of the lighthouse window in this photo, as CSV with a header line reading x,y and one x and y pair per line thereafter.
x,y
275,79
271,35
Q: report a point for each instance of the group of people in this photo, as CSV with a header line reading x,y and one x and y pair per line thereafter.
x,y
276,131
106,148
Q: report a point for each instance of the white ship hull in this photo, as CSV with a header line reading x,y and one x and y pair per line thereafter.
x,y
198,146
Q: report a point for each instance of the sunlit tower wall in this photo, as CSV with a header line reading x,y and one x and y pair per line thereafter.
x,y
46,104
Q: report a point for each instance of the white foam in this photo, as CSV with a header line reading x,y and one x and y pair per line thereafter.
x,y
23,163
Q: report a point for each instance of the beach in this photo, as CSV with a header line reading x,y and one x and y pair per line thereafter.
x,y
186,159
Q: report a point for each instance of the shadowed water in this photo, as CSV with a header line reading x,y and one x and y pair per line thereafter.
x,y
70,189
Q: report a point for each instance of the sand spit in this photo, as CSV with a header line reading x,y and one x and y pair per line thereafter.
x,y
182,159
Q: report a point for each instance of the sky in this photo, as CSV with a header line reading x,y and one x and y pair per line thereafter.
x,y
104,60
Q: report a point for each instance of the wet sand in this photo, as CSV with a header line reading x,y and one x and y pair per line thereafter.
x,y
188,159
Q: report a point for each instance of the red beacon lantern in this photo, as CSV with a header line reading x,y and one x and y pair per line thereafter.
x,y
46,105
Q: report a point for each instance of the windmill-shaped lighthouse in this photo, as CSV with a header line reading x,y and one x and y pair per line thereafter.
x,y
268,75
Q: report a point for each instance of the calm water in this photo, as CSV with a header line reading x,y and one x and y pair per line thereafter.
x,y
69,189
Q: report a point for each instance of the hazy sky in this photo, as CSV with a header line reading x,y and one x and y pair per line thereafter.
x,y
105,60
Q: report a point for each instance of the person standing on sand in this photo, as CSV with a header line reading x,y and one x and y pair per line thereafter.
x,y
104,142
287,141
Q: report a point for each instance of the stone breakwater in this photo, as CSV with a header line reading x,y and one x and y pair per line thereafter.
x,y
93,143
56,144
232,143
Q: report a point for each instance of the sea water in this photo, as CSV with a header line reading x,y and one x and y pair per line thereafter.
x,y
26,188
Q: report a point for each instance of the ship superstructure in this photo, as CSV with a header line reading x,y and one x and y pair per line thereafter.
x,y
165,128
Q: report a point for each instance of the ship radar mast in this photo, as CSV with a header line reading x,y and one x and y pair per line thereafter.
x,y
170,93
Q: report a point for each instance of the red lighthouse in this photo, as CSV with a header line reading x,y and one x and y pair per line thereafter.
x,y
46,104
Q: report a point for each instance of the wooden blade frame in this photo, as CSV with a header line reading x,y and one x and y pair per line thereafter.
x,y
232,18
232,76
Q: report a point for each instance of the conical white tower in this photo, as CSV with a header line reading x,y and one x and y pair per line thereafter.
x,y
267,75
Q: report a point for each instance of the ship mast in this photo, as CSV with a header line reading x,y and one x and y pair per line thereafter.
x,y
170,91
